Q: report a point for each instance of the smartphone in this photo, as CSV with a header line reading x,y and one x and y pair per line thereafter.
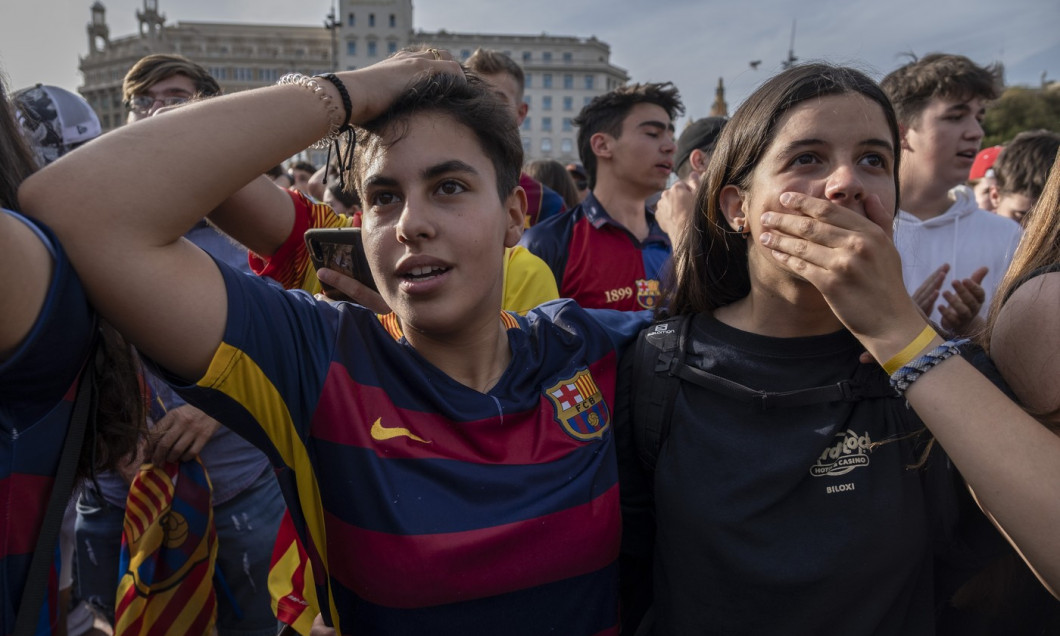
x,y
339,249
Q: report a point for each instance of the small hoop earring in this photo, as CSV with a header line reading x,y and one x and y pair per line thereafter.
x,y
739,229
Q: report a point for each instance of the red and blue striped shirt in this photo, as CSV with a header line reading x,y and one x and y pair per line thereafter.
x,y
426,506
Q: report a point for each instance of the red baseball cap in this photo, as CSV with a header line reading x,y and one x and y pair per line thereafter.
x,y
983,161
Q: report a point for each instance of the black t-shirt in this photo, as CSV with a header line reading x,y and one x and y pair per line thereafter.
x,y
801,520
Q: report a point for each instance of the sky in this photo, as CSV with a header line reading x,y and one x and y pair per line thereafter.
x,y
692,43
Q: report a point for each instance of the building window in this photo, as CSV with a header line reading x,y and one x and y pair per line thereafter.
x,y
391,47
585,102
568,103
568,80
568,125
546,102
546,144
372,52
546,80
351,20
371,19
589,82
526,56
243,74
464,54
546,124
566,146
269,74
393,21
567,57
527,80
526,123
527,100
351,48
547,57
526,144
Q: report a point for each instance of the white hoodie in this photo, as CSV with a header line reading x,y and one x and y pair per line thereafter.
x,y
964,236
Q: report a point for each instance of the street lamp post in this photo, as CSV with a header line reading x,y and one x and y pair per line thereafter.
x,y
332,24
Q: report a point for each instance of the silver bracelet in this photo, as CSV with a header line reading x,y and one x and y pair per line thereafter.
x,y
335,114
904,378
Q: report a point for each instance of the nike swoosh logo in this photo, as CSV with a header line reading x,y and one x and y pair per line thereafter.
x,y
381,433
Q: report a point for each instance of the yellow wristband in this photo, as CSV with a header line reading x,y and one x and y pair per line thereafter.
x,y
906,355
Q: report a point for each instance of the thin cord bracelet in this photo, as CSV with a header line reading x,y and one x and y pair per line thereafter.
x,y
904,377
345,162
345,94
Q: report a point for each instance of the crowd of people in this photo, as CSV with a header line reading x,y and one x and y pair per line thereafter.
x,y
779,374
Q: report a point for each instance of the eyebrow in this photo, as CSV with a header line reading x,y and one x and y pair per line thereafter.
x,y
446,167
652,123
799,144
431,172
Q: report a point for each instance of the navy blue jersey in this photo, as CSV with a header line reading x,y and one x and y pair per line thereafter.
x,y
38,383
597,262
426,506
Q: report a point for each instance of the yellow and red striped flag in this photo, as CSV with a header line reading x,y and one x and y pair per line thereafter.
x,y
168,553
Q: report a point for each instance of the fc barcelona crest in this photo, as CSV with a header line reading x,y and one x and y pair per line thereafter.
x,y
648,293
580,407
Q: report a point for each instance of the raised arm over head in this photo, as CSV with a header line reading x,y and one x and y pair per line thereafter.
x,y
121,204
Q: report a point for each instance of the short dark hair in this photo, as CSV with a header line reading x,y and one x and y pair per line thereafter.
x,y
912,86
710,261
490,62
1023,165
605,113
152,69
468,102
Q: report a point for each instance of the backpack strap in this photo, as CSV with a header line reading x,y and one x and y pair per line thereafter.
x,y
852,389
654,357
659,367
40,566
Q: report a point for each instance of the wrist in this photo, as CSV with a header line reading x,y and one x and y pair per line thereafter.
x,y
902,341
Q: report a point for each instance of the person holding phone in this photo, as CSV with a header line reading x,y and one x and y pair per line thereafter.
x,y
449,466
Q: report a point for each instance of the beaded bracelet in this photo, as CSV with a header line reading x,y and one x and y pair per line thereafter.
x,y
904,377
334,115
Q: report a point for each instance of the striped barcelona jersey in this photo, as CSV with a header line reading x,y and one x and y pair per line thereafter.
x,y
38,383
597,262
425,506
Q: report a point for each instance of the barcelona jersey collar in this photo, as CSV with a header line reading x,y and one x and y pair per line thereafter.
x,y
598,217
392,325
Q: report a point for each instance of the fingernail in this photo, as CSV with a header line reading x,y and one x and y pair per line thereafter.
x,y
786,198
766,238
768,218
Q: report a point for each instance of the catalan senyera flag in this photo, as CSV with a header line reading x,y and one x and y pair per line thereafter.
x,y
168,553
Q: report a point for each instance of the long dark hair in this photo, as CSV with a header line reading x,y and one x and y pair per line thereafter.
x,y
120,409
710,261
16,160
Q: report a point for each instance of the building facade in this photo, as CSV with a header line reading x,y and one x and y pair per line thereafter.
x,y
562,73
239,56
